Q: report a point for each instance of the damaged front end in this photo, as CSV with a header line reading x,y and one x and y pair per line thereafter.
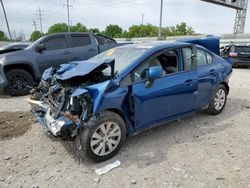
x,y
64,100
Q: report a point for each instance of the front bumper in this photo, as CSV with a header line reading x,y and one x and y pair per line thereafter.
x,y
42,112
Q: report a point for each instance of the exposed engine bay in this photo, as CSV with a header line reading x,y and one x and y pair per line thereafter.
x,y
62,105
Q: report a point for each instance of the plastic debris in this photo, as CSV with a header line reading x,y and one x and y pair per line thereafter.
x,y
108,167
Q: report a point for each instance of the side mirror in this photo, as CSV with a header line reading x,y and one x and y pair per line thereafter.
x,y
154,73
40,47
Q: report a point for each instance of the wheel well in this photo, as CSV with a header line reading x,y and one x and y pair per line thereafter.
x,y
226,86
119,112
24,67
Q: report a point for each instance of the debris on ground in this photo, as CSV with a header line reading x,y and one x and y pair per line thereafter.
x,y
133,181
108,167
97,180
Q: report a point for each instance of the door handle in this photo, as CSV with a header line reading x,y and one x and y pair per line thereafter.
x,y
67,52
91,49
189,82
213,72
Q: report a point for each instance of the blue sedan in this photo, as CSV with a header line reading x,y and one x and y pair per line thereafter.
x,y
123,91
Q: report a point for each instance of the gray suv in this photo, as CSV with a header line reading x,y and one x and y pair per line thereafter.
x,y
21,70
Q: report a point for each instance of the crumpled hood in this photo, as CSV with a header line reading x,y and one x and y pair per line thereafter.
x,y
76,68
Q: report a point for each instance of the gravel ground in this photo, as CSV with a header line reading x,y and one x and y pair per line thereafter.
x,y
201,151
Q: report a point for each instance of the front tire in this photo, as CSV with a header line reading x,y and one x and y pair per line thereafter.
x,y
218,101
103,136
20,82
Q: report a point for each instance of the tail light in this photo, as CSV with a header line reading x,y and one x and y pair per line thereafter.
x,y
233,55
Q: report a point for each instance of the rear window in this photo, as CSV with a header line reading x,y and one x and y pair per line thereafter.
x,y
242,49
104,40
81,40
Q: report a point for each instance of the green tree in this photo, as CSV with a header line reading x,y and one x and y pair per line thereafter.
x,y
3,36
142,31
113,31
78,28
183,29
35,35
94,30
58,28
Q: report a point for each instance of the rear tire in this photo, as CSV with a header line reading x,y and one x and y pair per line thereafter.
x,y
20,82
218,100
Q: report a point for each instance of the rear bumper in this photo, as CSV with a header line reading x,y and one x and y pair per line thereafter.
x,y
239,62
43,115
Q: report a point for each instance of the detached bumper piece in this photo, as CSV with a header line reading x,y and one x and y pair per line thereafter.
x,y
58,126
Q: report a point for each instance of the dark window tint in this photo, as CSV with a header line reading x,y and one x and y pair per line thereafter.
x,y
240,49
187,56
104,40
56,43
201,58
81,40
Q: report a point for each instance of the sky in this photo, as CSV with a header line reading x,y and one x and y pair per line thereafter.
x,y
203,17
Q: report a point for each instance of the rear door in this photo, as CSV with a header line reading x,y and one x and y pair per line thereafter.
x,y
207,74
83,46
57,52
169,97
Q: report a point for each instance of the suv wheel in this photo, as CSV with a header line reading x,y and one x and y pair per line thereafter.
x,y
20,82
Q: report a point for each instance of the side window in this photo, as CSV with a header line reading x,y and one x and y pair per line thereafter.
x,y
168,60
142,72
187,57
80,40
56,43
201,58
209,58
104,40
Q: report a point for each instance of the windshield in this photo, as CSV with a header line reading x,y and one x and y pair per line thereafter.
x,y
240,49
123,56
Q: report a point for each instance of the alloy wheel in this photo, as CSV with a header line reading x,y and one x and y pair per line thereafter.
x,y
105,139
219,99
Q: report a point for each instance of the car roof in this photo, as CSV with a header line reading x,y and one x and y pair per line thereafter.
x,y
155,45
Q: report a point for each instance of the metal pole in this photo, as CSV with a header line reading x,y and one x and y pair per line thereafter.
x,y
160,19
6,22
68,16
142,18
40,19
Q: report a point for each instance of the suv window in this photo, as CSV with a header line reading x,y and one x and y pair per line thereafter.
x,y
104,40
168,60
80,40
187,57
56,43
240,49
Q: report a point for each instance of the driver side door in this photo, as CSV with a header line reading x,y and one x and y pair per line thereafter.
x,y
57,52
169,97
